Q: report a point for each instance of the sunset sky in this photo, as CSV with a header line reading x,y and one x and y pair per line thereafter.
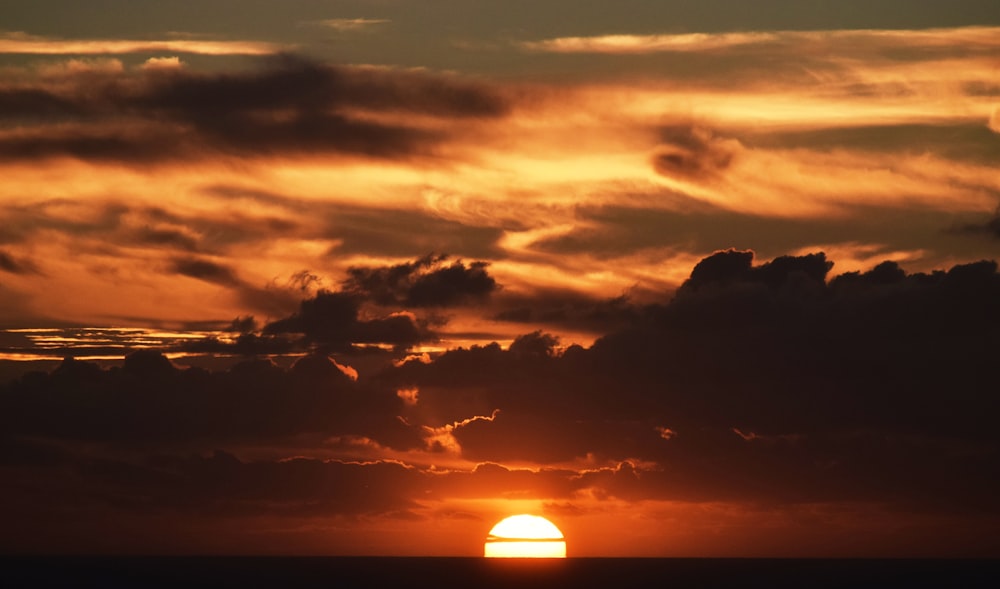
x,y
689,278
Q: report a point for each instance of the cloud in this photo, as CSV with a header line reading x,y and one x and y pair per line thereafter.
x,y
291,107
151,403
342,25
732,266
22,43
691,152
427,282
9,263
634,44
757,383
205,270
341,318
815,368
991,227
980,38
161,63
332,319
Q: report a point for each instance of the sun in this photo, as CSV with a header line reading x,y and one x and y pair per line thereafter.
x,y
525,536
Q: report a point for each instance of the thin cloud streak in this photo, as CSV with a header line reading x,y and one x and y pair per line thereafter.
x,y
350,24
25,44
979,38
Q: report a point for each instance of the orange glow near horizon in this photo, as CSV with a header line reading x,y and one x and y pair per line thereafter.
x,y
525,536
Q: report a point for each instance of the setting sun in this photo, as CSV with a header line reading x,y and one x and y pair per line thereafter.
x,y
525,536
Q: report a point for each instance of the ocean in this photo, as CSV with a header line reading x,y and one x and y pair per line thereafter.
x,y
476,573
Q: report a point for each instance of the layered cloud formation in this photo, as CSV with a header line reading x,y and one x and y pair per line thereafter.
x,y
868,144
761,386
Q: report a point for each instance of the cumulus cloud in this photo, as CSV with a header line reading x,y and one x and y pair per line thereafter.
x,y
339,318
332,319
160,63
777,349
427,282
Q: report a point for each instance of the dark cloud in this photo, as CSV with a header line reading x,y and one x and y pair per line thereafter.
x,y
427,282
990,227
150,403
36,103
168,238
335,318
771,380
732,266
289,107
969,142
561,308
767,383
332,319
295,83
613,231
146,146
9,263
694,152
205,270
393,232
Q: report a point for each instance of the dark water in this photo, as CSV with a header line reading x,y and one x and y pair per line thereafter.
x,y
444,573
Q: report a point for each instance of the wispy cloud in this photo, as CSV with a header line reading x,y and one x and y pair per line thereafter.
x,y
22,43
647,43
970,37
349,24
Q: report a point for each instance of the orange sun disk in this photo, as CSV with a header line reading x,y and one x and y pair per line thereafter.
x,y
525,536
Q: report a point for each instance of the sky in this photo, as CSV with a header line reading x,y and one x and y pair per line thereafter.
x,y
709,278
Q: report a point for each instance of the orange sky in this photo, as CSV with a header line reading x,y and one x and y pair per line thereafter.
x,y
373,187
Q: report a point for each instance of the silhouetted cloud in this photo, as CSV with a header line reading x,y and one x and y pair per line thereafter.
x,y
332,319
427,282
149,402
806,372
205,270
766,383
292,106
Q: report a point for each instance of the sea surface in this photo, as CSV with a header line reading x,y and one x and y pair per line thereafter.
x,y
475,573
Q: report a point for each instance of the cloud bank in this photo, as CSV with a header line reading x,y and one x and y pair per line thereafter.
x,y
767,385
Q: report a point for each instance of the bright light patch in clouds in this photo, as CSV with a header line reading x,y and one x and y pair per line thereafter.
x,y
648,43
161,63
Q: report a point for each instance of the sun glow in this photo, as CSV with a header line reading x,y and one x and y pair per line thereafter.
x,y
525,536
